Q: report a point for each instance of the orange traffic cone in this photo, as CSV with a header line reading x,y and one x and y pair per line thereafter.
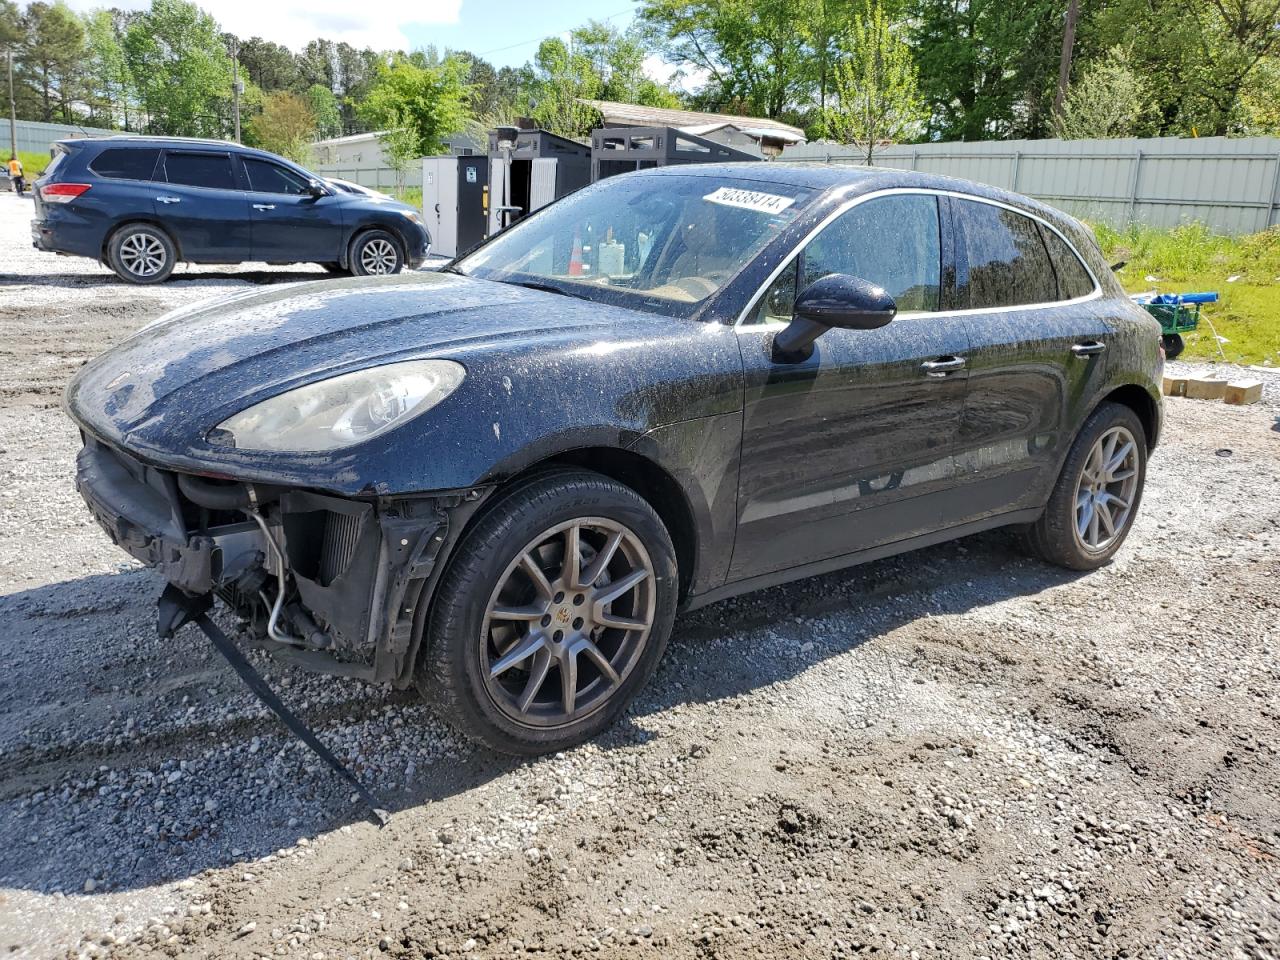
x,y
575,257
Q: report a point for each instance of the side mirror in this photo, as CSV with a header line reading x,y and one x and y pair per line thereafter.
x,y
316,188
836,300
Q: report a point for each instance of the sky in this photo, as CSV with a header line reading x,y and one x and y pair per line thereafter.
x,y
504,32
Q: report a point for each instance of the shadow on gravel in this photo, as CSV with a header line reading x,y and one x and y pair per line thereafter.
x,y
243,788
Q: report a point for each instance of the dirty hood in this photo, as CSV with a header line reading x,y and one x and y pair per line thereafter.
x,y
161,391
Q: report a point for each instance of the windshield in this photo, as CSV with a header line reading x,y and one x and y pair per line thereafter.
x,y
663,244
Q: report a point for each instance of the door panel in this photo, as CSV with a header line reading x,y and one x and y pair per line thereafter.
x,y
849,449
1027,389
852,447
201,203
289,224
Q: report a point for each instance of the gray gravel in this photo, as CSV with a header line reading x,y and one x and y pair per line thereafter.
x,y
956,753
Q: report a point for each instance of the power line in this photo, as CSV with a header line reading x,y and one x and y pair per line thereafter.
x,y
522,43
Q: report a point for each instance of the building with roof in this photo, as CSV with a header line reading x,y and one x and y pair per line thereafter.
x,y
753,134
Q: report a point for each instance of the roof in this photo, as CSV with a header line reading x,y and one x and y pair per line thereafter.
x,y
667,117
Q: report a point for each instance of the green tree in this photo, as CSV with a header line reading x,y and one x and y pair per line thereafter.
x,y
987,68
286,125
48,60
1111,99
616,64
415,107
269,65
874,82
1260,100
10,25
325,110
109,94
756,53
561,81
181,68
1198,56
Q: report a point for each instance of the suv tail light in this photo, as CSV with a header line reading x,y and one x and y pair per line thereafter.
x,y
62,192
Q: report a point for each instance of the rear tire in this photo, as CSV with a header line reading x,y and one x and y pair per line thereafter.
x,y
513,626
1173,345
1096,498
376,253
140,253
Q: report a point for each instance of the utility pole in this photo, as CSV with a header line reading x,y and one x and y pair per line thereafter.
x,y
13,110
1064,63
235,84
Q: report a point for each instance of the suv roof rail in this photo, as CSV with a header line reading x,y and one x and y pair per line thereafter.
x,y
155,138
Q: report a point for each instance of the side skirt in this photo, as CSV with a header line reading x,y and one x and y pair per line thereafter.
x,y
780,577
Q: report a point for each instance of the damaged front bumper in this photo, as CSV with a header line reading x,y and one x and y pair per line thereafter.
x,y
338,584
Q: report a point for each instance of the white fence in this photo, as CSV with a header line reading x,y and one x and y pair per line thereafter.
x,y
375,175
1231,185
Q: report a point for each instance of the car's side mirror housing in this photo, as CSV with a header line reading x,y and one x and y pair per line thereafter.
x,y
836,300
316,188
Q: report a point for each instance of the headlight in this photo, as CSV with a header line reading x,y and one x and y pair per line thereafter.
x,y
413,215
342,410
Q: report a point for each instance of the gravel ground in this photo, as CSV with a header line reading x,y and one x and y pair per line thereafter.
x,y
958,753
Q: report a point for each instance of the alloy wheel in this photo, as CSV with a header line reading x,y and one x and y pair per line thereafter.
x,y
567,622
378,256
142,254
1106,490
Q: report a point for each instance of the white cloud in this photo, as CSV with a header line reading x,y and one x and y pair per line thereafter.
x,y
371,23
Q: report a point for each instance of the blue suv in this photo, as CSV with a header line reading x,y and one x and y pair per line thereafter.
x,y
141,204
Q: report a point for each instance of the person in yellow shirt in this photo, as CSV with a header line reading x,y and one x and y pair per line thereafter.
x,y
16,174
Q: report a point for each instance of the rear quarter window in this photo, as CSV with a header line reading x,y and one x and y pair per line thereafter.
x,y
1073,278
125,164
1008,264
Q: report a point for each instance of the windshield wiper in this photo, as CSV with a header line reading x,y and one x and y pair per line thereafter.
x,y
538,285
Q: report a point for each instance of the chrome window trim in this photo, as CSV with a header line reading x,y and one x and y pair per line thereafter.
x,y
742,323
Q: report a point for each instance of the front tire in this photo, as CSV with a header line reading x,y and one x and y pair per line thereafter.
x,y
1173,345
1092,507
376,253
553,613
140,253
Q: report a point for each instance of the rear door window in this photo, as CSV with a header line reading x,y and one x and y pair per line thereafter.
x,y
268,177
1073,279
1007,262
193,169
120,163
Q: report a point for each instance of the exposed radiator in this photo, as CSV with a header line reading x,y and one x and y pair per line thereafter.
x,y
341,534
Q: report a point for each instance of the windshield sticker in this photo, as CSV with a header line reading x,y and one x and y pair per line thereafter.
x,y
750,200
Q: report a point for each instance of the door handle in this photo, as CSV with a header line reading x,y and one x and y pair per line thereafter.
x,y
940,368
168,199
264,206
1088,349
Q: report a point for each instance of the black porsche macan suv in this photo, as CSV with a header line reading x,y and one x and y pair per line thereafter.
x,y
501,481
142,204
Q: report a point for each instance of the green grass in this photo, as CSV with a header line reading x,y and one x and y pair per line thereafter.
x,y
1190,258
33,164
409,195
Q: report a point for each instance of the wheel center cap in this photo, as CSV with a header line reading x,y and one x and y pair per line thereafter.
x,y
561,616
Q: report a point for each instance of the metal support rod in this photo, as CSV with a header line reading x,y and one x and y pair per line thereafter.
x,y
1133,184
235,85
13,109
